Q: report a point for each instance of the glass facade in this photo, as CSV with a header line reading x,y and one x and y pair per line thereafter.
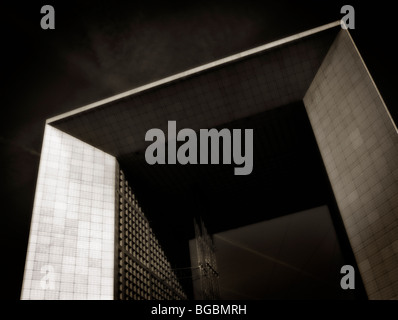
x,y
71,243
143,270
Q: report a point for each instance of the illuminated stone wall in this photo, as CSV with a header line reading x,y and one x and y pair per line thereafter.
x,y
359,146
71,243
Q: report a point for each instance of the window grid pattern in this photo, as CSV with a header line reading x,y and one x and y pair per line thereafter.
x,y
358,143
71,244
144,273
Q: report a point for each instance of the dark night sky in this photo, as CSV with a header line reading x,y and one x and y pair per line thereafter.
x,y
105,47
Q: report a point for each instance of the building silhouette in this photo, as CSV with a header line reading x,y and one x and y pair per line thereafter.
x,y
204,265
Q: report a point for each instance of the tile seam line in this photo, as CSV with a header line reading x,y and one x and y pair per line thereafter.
x,y
195,70
373,82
